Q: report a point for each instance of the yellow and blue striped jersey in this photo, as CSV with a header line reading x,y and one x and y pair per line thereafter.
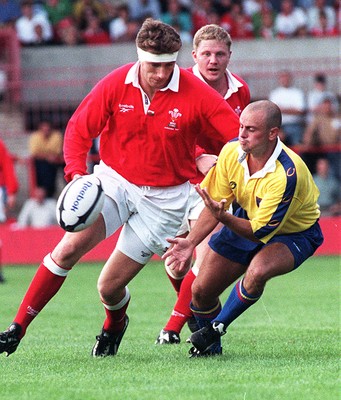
x,y
281,198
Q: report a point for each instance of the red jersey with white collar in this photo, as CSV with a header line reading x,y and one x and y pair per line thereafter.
x,y
237,96
154,147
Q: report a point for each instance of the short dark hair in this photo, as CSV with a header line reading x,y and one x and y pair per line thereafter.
x,y
320,78
157,37
272,113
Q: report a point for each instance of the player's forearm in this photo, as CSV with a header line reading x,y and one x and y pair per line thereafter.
x,y
203,227
240,226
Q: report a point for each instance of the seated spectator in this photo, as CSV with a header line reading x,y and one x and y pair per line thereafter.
x,y
67,33
304,4
314,13
57,10
33,29
328,186
252,7
38,211
264,9
324,129
223,6
265,27
318,93
139,10
94,33
9,12
111,12
186,37
291,100
84,8
178,17
323,29
242,27
289,20
46,150
201,13
123,28
302,32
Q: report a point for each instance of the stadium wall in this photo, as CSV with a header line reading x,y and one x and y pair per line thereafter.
x,y
29,246
61,74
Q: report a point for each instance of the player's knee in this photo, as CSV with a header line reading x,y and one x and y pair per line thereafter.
x,y
199,294
255,278
109,290
64,254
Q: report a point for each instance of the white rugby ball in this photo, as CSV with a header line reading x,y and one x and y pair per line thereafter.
x,y
80,203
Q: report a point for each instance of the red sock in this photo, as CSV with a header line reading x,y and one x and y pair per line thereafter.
x,y
176,282
114,321
182,312
43,287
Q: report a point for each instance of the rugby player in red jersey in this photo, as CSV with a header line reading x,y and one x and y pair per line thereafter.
x,y
148,115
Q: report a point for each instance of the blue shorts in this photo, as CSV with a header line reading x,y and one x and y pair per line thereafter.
x,y
232,246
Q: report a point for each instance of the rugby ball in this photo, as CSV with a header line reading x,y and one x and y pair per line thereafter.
x,y
80,203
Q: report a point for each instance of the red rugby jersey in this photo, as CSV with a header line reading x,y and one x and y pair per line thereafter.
x,y
237,99
155,148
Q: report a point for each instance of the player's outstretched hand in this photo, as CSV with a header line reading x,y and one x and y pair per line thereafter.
x,y
180,251
217,208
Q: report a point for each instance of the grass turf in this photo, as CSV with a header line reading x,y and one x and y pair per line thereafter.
x,y
286,347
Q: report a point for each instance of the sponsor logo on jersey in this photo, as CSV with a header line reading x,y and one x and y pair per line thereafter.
x,y
175,115
238,110
287,199
274,223
291,171
125,108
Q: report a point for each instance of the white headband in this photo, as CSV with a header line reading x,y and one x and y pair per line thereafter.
x,y
157,58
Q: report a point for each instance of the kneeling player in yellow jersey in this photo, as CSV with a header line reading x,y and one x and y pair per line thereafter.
x,y
275,230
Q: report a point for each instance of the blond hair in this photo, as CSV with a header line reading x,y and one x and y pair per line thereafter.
x,y
211,32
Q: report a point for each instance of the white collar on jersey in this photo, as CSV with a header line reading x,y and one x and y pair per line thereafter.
x,y
233,82
133,78
269,166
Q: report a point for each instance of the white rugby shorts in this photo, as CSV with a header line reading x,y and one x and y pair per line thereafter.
x,y
152,213
195,206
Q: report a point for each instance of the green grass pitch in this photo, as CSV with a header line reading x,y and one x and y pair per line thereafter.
x,y
286,347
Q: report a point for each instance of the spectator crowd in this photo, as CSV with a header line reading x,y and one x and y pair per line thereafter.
x,y
95,22
310,120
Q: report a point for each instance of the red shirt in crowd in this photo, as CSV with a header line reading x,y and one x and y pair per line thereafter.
x,y
8,177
